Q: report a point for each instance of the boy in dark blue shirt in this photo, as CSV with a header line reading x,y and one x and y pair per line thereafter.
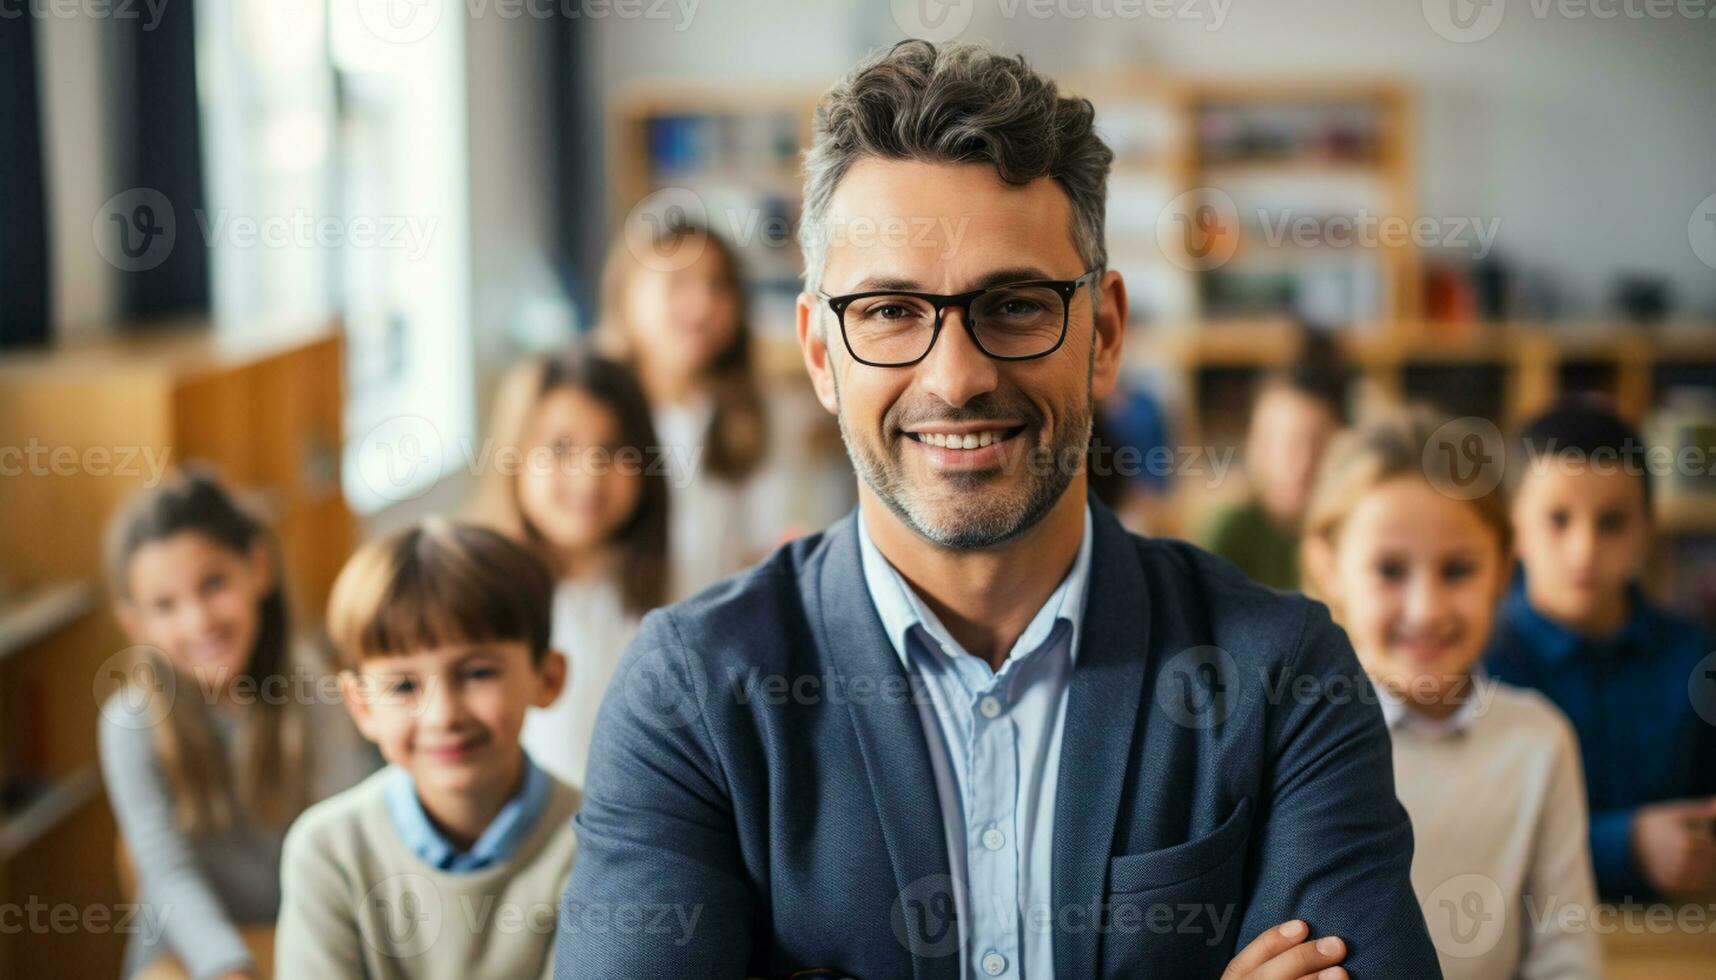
x,y
1630,676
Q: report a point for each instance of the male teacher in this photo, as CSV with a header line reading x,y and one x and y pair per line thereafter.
x,y
976,729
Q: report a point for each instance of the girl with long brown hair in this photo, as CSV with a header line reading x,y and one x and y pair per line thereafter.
x,y
573,474
675,308
218,735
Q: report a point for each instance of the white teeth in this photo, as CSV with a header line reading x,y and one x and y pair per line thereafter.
x,y
970,440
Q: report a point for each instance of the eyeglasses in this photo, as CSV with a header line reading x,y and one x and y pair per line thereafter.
x,y
1015,321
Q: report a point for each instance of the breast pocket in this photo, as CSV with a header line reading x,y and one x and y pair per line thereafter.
x,y
1173,912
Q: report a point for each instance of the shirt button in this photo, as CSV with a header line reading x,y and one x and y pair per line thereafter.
x,y
994,964
989,707
993,839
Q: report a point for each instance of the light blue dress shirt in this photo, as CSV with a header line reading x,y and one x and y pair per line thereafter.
x,y
498,841
995,746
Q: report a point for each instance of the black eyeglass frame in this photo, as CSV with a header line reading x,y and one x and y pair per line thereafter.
x,y
1067,288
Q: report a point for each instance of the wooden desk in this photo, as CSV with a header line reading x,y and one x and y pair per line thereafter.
x,y
260,939
1683,951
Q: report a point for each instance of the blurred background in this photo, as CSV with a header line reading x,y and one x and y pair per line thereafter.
x,y
303,240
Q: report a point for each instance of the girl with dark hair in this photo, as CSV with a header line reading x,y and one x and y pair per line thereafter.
x,y
213,743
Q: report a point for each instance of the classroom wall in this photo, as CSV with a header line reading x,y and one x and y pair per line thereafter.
x,y
1592,139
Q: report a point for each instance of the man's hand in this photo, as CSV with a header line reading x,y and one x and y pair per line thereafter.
x,y
1286,953
1676,847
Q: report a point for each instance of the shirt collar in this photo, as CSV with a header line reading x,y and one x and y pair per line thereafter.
x,y
1399,716
1552,642
499,839
900,609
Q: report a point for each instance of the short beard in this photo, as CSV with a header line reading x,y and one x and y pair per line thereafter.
x,y
1046,480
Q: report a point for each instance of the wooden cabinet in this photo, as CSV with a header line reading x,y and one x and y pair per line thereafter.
x,y
81,430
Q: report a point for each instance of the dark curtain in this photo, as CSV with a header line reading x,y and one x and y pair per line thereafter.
x,y
580,204
153,91
24,270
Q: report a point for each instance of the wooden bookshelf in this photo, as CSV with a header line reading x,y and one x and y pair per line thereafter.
x,y
1178,134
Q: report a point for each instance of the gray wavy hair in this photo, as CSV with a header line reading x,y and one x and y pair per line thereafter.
x,y
958,103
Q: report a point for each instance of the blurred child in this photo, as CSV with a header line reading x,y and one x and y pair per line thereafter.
x,y
590,499
212,746
1412,567
740,460
1578,628
1294,414
418,870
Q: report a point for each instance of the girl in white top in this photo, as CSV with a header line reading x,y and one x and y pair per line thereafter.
x,y
1409,545
743,463
576,475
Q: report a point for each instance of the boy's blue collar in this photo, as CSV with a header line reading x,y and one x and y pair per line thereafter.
x,y
1555,643
499,840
